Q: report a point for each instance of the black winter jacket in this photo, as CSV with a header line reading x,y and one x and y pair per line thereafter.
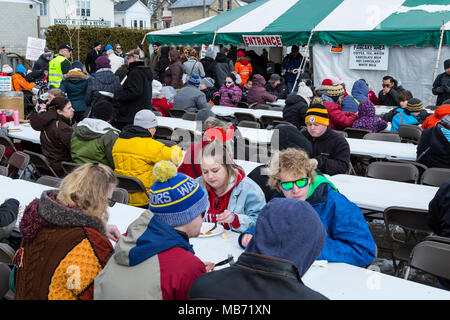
x,y
281,90
209,65
137,92
294,110
331,151
101,80
250,273
90,61
434,149
441,88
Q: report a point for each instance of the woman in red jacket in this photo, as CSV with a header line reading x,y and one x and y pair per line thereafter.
x,y
332,100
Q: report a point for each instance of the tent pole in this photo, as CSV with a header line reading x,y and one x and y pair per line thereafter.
x,y
301,69
437,60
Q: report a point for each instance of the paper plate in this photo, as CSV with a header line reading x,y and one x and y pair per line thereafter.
x,y
207,226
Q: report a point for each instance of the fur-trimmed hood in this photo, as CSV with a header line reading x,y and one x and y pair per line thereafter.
x,y
75,75
48,211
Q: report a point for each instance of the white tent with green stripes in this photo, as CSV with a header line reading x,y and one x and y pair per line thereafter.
x,y
411,30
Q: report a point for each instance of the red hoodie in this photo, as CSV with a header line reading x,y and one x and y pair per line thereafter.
x,y
218,204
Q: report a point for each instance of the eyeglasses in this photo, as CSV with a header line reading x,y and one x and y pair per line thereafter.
x,y
386,85
289,185
118,48
228,82
203,214
111,202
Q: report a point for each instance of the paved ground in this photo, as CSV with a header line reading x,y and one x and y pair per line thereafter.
x,y
384,260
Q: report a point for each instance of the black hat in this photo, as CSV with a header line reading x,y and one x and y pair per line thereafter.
x,y
103,110
65,46
96,43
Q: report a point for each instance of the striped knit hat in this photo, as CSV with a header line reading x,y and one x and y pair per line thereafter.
x,y
414,105
317,113
175,198
335,91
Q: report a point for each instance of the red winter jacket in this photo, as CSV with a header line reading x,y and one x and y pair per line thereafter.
x,y
162,106
339,119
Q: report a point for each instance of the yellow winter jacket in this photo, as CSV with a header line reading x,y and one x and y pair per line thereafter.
x,y
135,157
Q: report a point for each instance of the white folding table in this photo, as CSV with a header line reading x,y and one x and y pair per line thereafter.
x,y
383,149
257,113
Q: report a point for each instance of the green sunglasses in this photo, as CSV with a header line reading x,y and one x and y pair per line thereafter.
x,y
289,185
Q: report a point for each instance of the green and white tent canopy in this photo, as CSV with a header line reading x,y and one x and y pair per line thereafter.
x,y
388,22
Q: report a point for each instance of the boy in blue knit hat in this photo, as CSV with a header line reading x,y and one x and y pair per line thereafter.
x,y
154,260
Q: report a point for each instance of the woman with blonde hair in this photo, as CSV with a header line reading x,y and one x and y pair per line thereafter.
x,y
234,199
65,237
292,175
192,65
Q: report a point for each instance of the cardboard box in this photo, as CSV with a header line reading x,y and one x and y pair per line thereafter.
x,y
12,100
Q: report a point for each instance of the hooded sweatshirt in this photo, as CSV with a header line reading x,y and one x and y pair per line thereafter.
x,y
151,262
367,119
174,72
433,149
93,141
289,236
438,114
258,93
243,67
295,110
348,236
75,84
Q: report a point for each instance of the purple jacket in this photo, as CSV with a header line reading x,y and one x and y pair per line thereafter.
x,y
225,92
367,119
257,93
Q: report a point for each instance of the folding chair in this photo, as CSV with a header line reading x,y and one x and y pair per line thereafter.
x,y
276,108
177,113
391,137
68,166
432,255
356,133
39,161
243,116
421,167
268,120
262,106
19,161
5,272
2,151
131,184
276,123
410,133
242,104
7,142
435,176
120,195
343,133
163,133
412,221
50,181
189,116
395,171
157,113
6,253
249,124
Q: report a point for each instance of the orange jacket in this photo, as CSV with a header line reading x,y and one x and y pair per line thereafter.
x,y
244,71
19,83
439,113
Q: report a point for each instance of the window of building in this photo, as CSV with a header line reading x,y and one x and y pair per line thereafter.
x,y
84,8
43,8
135,24
155,25
166,24
141,24
228,4
220,5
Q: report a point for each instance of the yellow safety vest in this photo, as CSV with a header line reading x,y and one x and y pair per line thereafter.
x,y
55,74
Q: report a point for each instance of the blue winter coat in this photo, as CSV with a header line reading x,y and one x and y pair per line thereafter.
x,y
403,117
348,236
75,85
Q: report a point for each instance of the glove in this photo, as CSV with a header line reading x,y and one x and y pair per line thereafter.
x,y
446,89
230,95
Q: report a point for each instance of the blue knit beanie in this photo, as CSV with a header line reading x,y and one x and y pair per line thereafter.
x,y
21,68
108,47
194,80
175,198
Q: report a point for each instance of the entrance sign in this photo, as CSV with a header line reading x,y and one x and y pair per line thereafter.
x,y
262,41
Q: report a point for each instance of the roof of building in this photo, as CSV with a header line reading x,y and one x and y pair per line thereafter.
x,y
190,3
124,5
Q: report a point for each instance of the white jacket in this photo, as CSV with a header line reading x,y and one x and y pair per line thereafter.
x,y
116,61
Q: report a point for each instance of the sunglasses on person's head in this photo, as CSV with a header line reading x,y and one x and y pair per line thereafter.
x,y
289,185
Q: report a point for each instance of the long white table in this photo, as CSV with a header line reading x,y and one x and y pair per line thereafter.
x,y
334,280
383,149
257,113
26,132
278,103
378,194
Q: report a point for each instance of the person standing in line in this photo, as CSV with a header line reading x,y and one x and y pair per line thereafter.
x,y
92,56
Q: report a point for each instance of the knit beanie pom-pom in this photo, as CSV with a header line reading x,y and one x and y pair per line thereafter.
x,y
164,170
317,100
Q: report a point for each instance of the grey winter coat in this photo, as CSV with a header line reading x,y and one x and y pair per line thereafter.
x,y
191,99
